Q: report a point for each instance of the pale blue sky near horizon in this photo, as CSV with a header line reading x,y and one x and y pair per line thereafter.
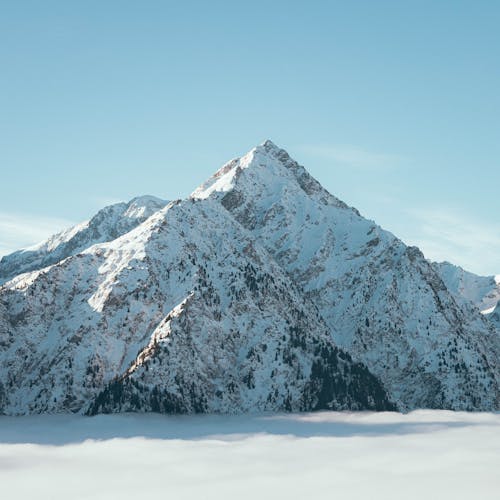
x,y
393,106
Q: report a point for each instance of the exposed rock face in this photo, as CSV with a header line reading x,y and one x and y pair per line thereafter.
x,y
259,292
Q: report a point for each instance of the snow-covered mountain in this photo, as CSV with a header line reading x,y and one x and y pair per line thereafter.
x,y
261,291
106,225
482,291
382,301
184,313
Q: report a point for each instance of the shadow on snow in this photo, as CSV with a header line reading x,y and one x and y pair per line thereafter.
x,y
66,429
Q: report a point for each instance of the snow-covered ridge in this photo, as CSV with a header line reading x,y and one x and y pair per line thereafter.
x,y
108,224
482,291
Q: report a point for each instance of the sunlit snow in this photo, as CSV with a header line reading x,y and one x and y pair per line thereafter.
x,y
421,455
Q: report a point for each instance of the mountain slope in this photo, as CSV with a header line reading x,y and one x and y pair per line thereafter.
x,y
109,223
186,308
382,301
494,317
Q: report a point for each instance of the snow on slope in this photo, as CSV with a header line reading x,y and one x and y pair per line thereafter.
x,y
106,225
494,316
482,291
236,300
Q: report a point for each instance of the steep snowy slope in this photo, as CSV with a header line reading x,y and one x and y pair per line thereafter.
x,y
184,313
482,291
382,301
106,225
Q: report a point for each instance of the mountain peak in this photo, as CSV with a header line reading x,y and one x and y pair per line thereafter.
x,y
265,171
265,156
269,148
141,207
265,166
146,199
269,145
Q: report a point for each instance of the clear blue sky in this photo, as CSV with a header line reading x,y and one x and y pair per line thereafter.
x,y
394,106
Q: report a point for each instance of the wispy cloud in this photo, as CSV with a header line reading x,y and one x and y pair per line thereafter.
x,y
354,156
103,201
22,230
448,234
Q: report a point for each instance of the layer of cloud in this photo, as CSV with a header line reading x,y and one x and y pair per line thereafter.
x,y
426,454
354,157
22,230
447,234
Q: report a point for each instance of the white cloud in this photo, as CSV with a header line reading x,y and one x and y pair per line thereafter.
x,y
22,230
354,157
447,234
424,454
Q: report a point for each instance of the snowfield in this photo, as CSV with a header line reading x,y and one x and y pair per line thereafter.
x,y
427,454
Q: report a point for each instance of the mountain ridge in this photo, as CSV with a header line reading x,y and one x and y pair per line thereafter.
x,y
482,291
106,225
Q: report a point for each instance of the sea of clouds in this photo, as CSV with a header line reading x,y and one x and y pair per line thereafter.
x,y
421,455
